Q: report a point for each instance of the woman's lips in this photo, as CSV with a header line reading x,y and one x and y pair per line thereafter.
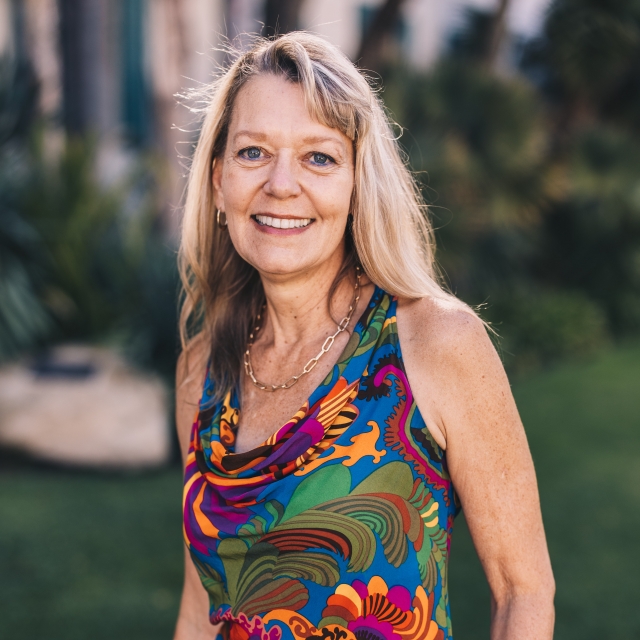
x,y
281,226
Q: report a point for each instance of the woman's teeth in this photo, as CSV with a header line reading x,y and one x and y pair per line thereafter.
x,y
283,223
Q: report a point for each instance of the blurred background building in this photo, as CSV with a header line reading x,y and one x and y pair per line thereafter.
x,y
521,120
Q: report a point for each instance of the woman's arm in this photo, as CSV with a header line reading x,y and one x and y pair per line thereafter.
x,y
464,395
193,617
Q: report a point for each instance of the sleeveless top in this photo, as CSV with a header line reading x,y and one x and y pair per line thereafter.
x,y
336,527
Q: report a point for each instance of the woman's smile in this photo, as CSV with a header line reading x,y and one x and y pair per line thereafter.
x,y
281,225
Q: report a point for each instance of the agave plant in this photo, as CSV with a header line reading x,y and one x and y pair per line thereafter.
x,y
24,319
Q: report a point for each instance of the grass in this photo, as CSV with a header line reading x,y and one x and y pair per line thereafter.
x,y
89,556
95,556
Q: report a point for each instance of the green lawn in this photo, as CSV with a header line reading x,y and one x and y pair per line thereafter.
x,y
85,556
89,557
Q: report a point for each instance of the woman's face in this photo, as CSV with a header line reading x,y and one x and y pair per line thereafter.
x,y
284,182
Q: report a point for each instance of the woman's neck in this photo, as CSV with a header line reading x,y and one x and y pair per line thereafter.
x,y
298,309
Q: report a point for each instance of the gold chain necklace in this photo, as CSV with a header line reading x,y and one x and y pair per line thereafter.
x,y
328,343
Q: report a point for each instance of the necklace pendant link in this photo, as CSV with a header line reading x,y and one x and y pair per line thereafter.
x,y
328,343
309,366
289,383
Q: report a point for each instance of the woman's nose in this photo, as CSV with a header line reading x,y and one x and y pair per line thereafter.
x,y
283,181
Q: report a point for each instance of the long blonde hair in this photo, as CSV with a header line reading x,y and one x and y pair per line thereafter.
x,y
389,233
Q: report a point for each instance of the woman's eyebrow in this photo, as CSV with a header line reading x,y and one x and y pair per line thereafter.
x,y
254,135
317,139
259,136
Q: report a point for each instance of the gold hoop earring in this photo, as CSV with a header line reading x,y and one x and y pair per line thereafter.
x,y
220,224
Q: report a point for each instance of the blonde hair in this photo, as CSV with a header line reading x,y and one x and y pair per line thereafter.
x,y
389,233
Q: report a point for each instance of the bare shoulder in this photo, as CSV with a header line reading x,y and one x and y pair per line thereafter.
x,y
449,358
190,372
448,334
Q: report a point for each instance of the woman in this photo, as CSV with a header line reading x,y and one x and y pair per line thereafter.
x,y
324,507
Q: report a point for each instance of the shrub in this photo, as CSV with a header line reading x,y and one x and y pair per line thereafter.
x,y
539,327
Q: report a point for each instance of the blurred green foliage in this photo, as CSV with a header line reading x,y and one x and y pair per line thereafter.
x,y
80,260
586,62
534,177
111,269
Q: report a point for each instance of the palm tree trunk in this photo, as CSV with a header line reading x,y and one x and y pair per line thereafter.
x,y
281,16
369,55
498,31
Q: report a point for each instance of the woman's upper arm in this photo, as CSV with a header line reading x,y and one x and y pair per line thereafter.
x,y
462,390
193,618
190,373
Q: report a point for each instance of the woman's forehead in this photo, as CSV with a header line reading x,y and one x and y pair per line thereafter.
x,y
269,106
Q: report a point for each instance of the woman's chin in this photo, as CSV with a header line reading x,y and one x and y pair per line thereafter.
x,y
280,270
279,261
282,267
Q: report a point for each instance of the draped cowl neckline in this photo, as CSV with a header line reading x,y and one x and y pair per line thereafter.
x,y
304,437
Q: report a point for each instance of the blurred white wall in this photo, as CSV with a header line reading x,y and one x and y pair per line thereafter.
x,y
524,18
336,20
243,17
527,16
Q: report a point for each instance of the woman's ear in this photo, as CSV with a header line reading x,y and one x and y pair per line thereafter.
x,y
216,180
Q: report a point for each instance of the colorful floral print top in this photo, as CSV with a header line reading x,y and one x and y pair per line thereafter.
x,y
336,527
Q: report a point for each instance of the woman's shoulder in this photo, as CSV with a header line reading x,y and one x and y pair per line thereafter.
x,y
449,359
442,328
190,373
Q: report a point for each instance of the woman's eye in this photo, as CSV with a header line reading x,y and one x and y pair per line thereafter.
x,y
321,158
251,153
